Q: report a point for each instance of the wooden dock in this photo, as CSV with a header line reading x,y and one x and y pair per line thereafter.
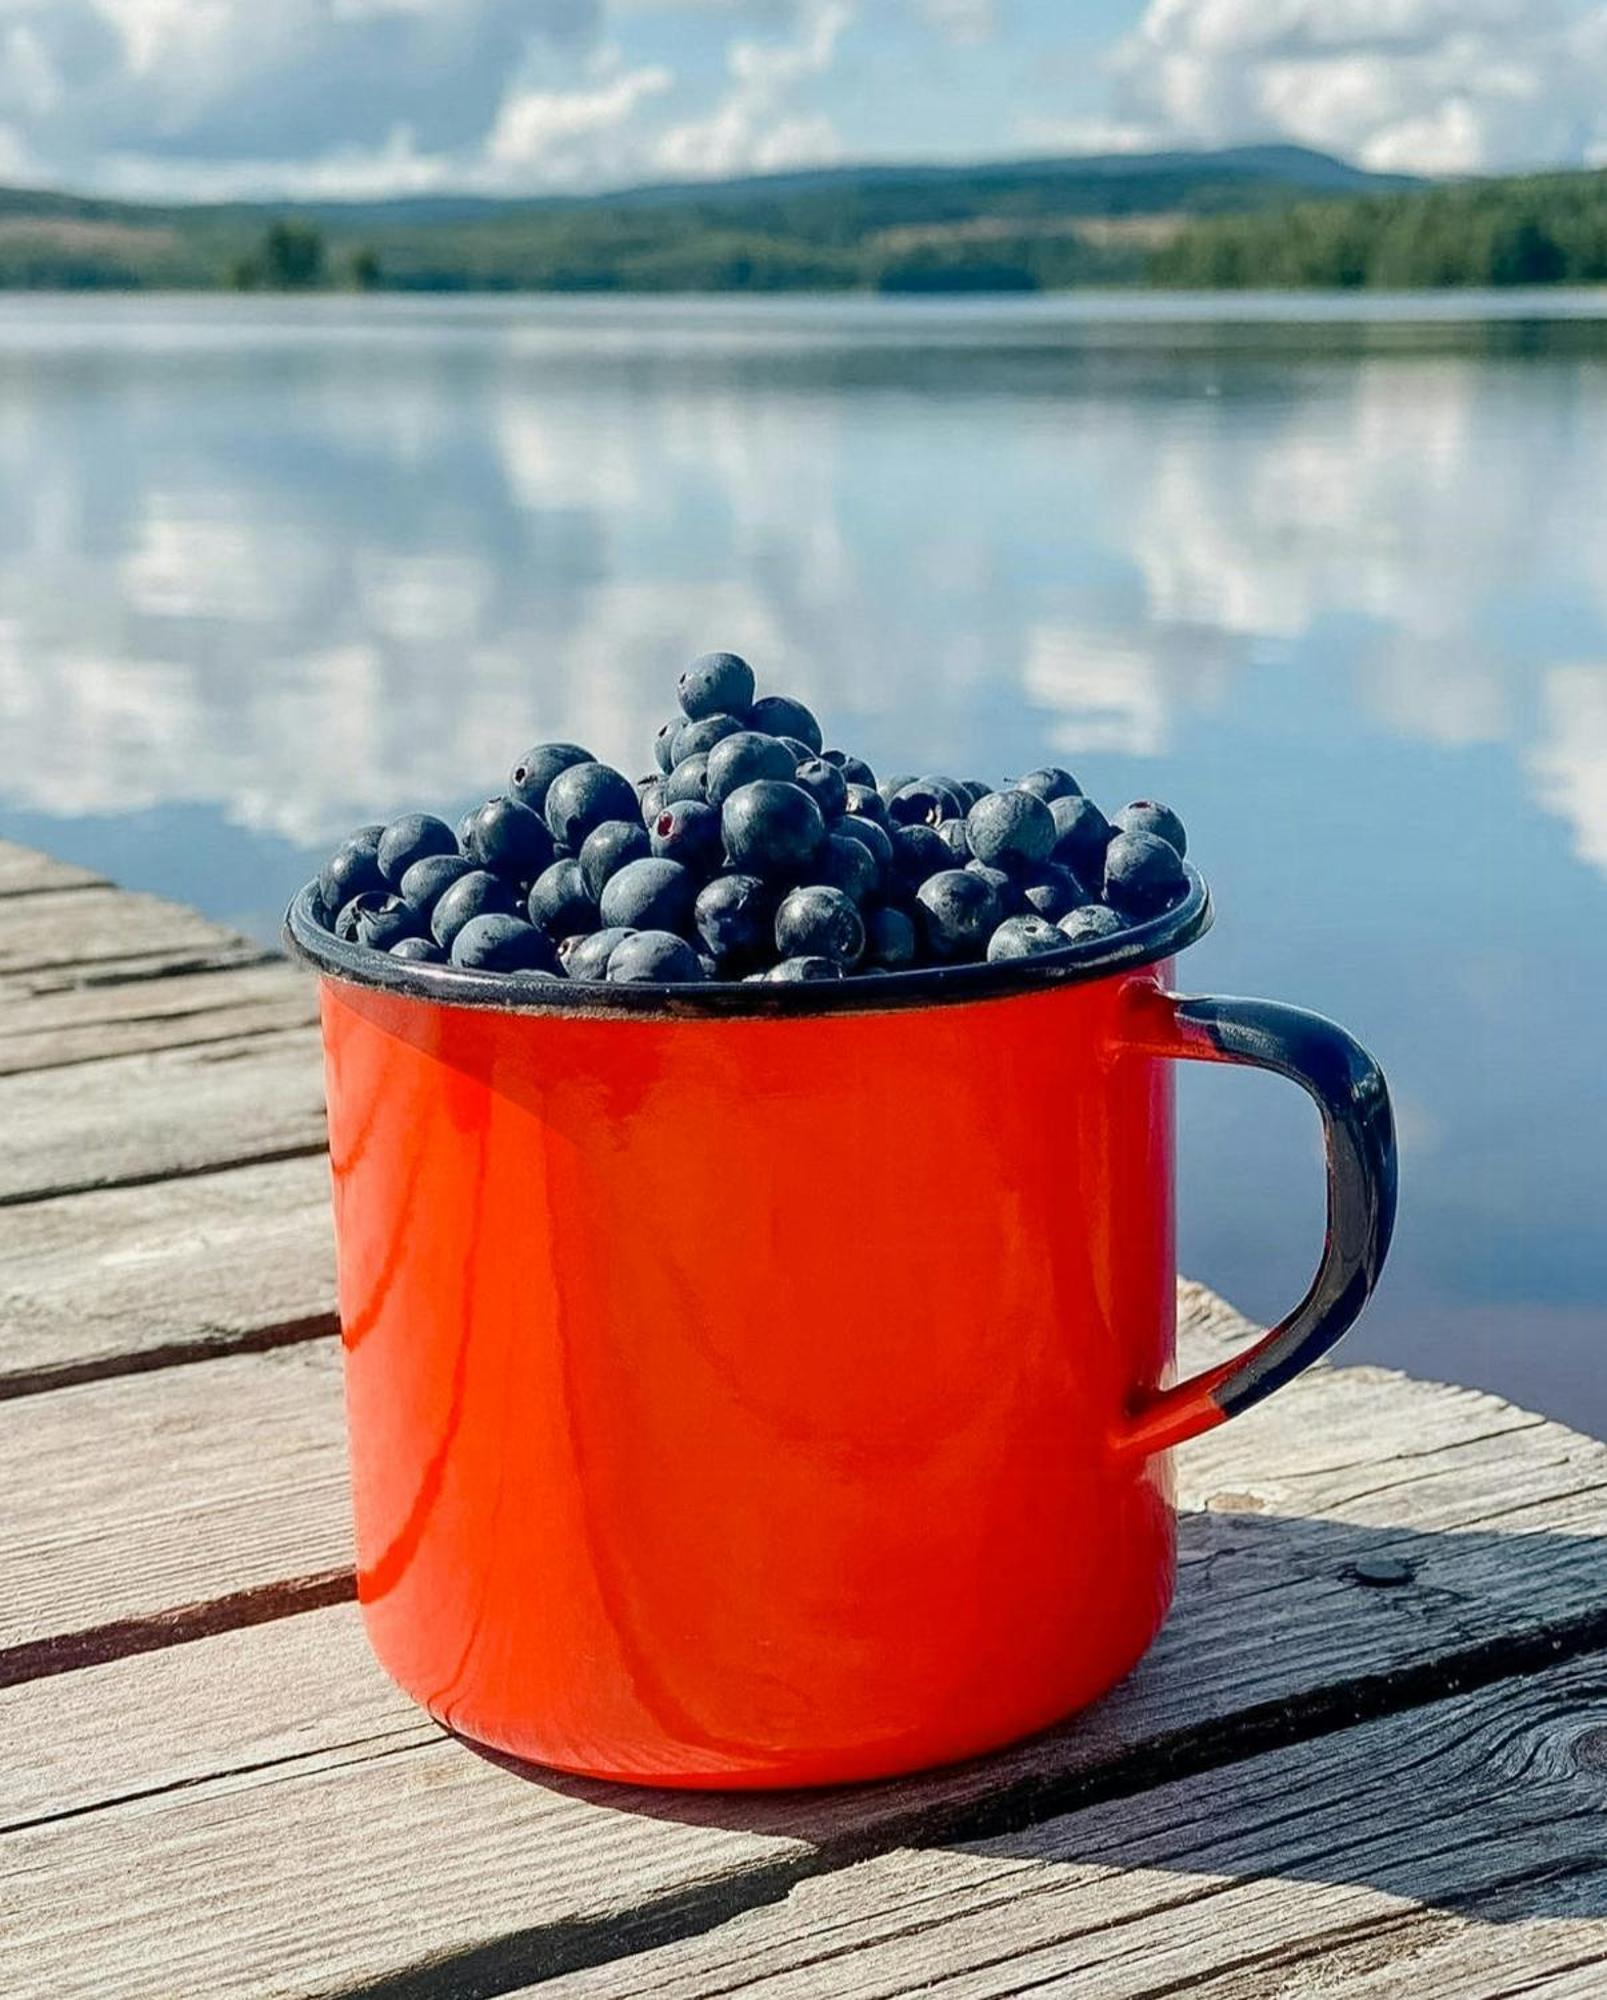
x,y
1367,1757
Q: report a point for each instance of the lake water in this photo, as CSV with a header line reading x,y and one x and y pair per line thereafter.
x,y
1331,579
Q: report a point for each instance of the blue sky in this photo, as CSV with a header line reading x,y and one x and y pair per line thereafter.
x,y
368,97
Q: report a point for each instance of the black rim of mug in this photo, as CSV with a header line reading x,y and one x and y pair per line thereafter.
x,y
307,939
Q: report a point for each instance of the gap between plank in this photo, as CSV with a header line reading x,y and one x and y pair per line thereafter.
x,y
306,1151
170,1354
53,889
97,1645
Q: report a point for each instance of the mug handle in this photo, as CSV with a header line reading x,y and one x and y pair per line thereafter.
x,y
1359,1138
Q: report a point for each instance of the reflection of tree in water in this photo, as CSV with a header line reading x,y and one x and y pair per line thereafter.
x,y
313,575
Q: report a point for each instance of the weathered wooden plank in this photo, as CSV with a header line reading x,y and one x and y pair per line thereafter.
x,y
440,1870
98,927
86,1022
320,1873
143,1276
150,1117
127,1501
24,872
248,1700
1446,1850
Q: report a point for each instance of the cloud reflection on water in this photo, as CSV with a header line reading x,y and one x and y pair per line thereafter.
x,y
314,586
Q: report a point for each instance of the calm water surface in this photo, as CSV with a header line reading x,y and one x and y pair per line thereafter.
x,y
1336,588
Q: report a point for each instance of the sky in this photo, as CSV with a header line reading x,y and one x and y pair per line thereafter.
x,y
361,98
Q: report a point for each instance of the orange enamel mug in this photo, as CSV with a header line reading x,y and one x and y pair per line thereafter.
x,y
771,1385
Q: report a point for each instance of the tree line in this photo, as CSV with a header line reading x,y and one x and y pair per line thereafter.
x,y
939,236
1537,230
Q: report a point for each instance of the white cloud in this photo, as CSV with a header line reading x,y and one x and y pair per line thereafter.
x,y
568,135
1570,762
218,96
324,98
1437,86
752,129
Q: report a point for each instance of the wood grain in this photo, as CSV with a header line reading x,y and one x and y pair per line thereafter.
x,y
24,872
84,1022
83,928
125,1499
436,1871
1445,1850
144,1276
139,1118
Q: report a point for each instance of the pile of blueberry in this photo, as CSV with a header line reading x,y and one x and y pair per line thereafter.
x,y
750,853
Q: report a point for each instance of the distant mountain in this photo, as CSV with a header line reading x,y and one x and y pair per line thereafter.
x,y
1012,224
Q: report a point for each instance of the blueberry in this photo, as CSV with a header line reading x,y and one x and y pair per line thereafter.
x,y
927,800
479,894
687,781
422,950
509,839
354,910
607,849
919,851
734,916
465,829
530,778
654,798
889,788
820,922
791,970
889,940
874,838
697,739
352,870
953,834
958,912
779,715
1052,891
742,760
385,920
798,749
689,832
558,902
1004,886
771,828
865,802
1145,816
587,957
1010,829
1143,873
428,880
1049,784
585,795
846,865
502,944
654,957
854,769
973,789
824,783
1082,833
1093,920
716,683
1023,937
651,895
664,743
410,839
